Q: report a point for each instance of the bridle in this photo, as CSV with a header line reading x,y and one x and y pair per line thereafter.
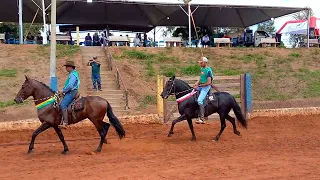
x,y
174,92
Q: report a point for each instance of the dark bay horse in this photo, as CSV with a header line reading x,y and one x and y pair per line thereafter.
x,y
95,109
188,108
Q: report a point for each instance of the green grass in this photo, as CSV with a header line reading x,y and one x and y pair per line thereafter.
x,y
294,55
191,70
251,57
8,72
311,78
148,100
61,51
4,104
134,54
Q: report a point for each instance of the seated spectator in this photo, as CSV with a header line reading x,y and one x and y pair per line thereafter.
x,y
39,39
30,39
88,40
96,40
227,36
205,41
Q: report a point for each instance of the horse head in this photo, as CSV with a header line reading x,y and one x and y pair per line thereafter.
x,y
169,88
26,91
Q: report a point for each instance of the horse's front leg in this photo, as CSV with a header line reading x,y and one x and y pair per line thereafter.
x,y
44,126
181,118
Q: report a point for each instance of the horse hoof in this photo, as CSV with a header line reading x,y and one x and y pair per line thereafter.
x,y
237,133
64,152
193,139
170,134
97,151
30,151
105,141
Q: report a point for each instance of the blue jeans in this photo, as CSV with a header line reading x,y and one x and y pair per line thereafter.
x,y
96,80
68,99
203,93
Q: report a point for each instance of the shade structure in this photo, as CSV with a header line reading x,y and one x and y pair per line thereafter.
x,y
143,14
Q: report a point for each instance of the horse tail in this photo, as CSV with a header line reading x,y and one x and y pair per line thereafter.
x,y
238,113
115,122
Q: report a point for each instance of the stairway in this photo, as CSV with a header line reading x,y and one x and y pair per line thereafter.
x,y
108,81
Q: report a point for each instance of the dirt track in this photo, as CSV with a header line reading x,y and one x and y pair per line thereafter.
x,y
272,148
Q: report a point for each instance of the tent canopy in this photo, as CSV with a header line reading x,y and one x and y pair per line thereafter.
x,y
143,14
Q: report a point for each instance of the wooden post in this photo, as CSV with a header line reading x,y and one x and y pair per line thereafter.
x,y
159,98
248,93
118,80
243,95
78,36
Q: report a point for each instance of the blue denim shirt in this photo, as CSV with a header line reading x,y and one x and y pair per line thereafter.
x,y
73,82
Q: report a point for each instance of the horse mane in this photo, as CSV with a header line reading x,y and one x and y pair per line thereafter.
x,y
44,85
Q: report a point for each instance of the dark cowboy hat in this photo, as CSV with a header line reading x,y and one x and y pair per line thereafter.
x,y
70,63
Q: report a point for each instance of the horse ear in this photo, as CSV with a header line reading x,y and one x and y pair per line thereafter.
x,y
26,77
173,77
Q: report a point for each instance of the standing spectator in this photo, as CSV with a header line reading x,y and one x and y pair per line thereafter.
x,y
96,40
136,41
145,39
95,73
205,41
88,40
104,40
128,43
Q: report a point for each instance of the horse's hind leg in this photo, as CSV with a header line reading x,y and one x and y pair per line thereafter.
x,y
99,124
181,118
61,137
44,126
191,129
106,127
233,122
223,125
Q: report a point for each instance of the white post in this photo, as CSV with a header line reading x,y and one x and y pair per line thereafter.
x,y
44,23
20,22
308,29
53,78
189,18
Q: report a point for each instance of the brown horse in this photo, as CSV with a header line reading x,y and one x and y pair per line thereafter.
x,y
45,100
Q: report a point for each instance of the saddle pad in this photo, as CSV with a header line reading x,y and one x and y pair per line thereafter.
x,y
187,96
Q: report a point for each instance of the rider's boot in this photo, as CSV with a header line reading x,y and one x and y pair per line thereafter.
x,y
64,120
201,114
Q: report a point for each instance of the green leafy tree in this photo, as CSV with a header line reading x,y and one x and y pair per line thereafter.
x,y
267,26
34,29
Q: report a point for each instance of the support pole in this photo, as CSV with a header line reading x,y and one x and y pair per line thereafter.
x,y
20,22
78,36
53,78
189,19
154,36
308,28
44,23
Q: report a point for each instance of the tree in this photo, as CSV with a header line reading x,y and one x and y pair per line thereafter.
x,y
34,29
295,39
267,26
168,30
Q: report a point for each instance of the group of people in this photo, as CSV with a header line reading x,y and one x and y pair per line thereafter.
x,y
30,39
95,40
72,85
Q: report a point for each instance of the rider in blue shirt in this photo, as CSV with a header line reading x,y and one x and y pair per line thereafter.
x,y
70,90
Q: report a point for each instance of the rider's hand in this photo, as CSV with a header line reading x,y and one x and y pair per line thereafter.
x,y
195,86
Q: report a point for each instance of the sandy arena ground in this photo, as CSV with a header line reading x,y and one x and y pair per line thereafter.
x,y
271,148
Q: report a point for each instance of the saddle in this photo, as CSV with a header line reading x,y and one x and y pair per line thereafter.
x,y
211,98
77,104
